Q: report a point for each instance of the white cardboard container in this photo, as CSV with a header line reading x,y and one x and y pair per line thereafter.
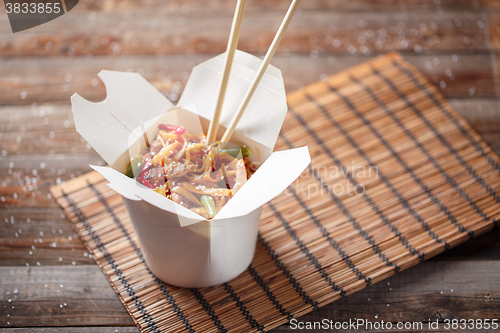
x,y
179,246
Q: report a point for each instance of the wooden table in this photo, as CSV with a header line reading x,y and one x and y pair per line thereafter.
x,y
49,283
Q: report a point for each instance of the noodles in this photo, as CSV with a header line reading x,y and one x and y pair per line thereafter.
x,y
202,189
166,151
188,195
180,166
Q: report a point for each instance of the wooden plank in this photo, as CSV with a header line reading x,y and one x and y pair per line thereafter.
x,y
484,247
152,31
39,236
497,62
24,80
48,167
69,150
48,83
484,116
25,180
91,301
22,122
282,329
66,156
494,28
428,291
43,129
354,5
59,296
489,5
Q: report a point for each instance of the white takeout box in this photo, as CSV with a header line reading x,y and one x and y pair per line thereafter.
x,y
179,246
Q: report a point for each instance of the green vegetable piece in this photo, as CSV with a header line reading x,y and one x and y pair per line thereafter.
x,y
129,173
135,166
234,152
137,163
208,202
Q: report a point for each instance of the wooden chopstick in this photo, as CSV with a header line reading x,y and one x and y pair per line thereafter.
x,y
260,72
231,48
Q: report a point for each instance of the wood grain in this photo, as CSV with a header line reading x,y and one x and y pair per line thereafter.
x,y
354,5
151,31
424,299
494,27
321,207
56,79
90,300
484,116
45,290
69,160
39,236
67,148
163,40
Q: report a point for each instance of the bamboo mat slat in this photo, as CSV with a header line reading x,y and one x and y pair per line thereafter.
x,y
434,184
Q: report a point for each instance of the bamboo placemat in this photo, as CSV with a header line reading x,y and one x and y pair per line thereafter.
x,y
434,184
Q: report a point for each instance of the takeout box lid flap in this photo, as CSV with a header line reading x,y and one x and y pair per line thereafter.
x,y
270,180
131,101
131,189
264,114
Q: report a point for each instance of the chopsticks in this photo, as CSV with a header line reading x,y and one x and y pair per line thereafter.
x,y
231,48
258,76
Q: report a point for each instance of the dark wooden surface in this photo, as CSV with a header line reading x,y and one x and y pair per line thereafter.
x,y
48,282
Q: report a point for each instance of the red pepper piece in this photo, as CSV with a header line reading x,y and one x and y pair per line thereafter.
x,y
145,168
